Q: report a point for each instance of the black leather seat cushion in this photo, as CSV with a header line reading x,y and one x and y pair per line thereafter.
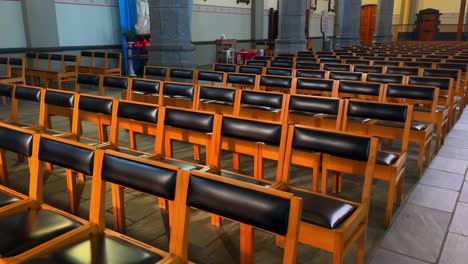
x,y
6,199
414,125
323,211
100,249
244,179
23,231
385,158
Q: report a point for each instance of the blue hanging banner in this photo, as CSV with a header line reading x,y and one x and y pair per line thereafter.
x,y
128,19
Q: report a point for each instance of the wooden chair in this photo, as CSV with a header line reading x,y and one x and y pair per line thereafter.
x,y
112,64
390,166
338,67
86,79
277,84
6,91
317,74
65,72
41,64
280,71
143,90
112,82
156,73
358,62
242,81
57,103
312,86
85,62
445,101
41,225
386,63
315,111
261,63
418,64
23,94
211,78
182,75
330,223
259,70
280,211
423,122
368,69
227,68
282,62
96,243
463,82
403,70
16,71
178,95
331,62
346,76
385,78
220,100
370,91
308,66
260,105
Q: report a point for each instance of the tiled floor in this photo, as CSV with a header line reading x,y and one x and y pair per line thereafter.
x,y
429,227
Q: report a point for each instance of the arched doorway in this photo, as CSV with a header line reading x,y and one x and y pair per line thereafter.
x,y
367,28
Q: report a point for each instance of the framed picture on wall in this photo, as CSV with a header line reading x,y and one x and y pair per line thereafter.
x,y
331,5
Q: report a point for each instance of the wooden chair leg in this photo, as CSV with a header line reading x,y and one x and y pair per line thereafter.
x,y
361,246
216,220
102,130
338,253
390,201
438,136
246,244
235,161
196,152
71,185
20,157
132,139
118,207
81,177
162,203
3,168
428,152
4,100
315,174
400,186
420,158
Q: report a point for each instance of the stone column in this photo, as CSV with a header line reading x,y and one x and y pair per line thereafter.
x,y
383,27
171,33
257,20
349,21
291,27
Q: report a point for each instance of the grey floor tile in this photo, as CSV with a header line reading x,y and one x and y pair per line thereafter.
x,y
442,179
455,250
449,165
464,193
383,256
433,197
459,223
453,152
457,141
461,126
417,232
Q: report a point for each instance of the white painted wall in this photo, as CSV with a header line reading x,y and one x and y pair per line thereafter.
x,y
11,25
81,23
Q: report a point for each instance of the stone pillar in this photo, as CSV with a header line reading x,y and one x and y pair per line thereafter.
x,y
171,33
291,27
40,23
257,20
349,21
383,27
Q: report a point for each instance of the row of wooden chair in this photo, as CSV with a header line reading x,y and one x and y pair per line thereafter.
x,y
100,62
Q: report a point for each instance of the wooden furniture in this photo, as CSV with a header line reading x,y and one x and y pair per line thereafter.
x,y
427,24
221,46
367,25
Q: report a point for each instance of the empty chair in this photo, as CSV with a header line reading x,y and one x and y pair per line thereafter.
x,y
419,64
432,60
242,81
87,79
279,63
251,69
329,223
261,105
114,84
261,63
348,76
368,69
210,77
156,73
313,86
219,100
358,62
386,63
277,83
337,67
318,74
182,75
403,70
385,78
315,111
280,71
144,90
178,94
361,90
308,66
332,61
57,103
22,95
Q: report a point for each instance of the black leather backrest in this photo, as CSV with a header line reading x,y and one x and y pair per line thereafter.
x,y
178,89
411,55
336,67
314,84
6,89
418,64
410,92
217,94
314,104
386,63
241,78
454,66
257,63
437,56
16,141
59,98
99,54
88,79
442,83
288,58
68,156
138,112
113,55
387,112
146,86
181,73
310,66
326,56
433,60
276,81
156,71
56,57
31,55
281,64
385,78
359,88
403,70
85,53
191,120
400,59
96,105
28,93
210,76
350,76
336,144
254,131
306,60
270,100
441,73
225,67
116,82
358,62
16,61
251,69
279,71
43,56
240,204
262,58
310,73
368,69
142,177
3,60
330,61
69,58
